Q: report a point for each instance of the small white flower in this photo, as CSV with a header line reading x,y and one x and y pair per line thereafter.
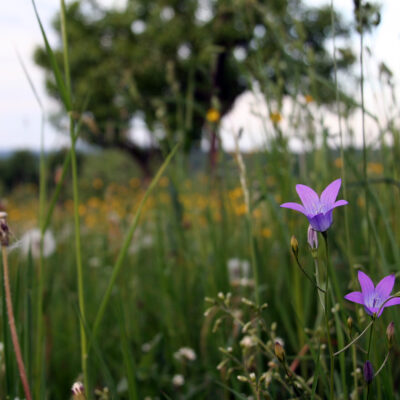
x,y
238,270
185,353
178,380
30,241
77,388
248,341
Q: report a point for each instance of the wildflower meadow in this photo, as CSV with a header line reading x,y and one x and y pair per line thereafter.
x,y
182,269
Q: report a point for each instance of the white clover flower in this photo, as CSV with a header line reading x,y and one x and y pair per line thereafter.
x,y
185,353
178,380
248,341
30,242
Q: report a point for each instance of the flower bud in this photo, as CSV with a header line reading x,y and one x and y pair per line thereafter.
x,y
350,323
390,333
78,391
279,352
295,245
368,372
312,238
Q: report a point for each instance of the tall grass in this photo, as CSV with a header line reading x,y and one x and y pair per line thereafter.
x,y
123,297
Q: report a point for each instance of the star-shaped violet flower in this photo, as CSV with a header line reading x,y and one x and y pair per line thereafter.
x,y
317,209
371,297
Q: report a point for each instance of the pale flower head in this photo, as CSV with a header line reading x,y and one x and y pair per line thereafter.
x,y
178,380
185,353
30,242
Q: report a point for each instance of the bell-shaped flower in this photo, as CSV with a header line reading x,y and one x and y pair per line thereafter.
x,y
374,298
318,209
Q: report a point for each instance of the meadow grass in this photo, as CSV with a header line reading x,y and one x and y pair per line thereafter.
x,y
187,288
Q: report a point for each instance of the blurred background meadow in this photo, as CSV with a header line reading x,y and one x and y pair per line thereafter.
x,y
145,149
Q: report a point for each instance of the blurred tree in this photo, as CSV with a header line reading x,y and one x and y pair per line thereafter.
x,y
21,167
168,62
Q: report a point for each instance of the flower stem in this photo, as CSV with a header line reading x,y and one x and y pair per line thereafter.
x,y
354,340
383,364
314,283
370,337
11,320
326,311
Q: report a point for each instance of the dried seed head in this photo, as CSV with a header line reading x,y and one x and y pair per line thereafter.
x,y
295,245
390,333
4,231
279,351
368,372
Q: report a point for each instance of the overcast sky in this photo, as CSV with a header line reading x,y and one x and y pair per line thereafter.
x,y
20,114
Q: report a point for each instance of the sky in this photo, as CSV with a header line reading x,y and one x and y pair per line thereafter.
x,y
20,114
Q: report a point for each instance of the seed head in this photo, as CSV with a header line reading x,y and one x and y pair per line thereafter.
x,y
4,231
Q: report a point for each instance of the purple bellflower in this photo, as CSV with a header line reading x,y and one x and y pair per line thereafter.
x,y
318,209
371,297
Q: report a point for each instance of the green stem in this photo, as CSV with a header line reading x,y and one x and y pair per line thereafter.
x,y
354,340
370,337
326,313
79,268
314,283
40,277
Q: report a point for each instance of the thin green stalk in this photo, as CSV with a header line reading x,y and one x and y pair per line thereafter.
x,y
40,277
326,313
11,321
342,156
354,340
127,241
314,283
370,338
79,268
355,375
365,172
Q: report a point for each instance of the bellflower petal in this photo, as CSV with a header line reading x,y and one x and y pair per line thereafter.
x,y
339,203
367,286
385,286
355,297
328,196
321,222
374,299
309,198
295,206
392,302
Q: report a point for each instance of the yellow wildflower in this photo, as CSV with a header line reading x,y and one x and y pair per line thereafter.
x,y
375,168
213,115
275,117
266,232
97,183
338,163
309,99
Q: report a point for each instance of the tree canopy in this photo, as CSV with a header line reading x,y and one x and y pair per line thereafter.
x,y
169,61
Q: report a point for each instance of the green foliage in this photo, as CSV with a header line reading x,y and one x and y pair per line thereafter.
x,y
168,62
21,167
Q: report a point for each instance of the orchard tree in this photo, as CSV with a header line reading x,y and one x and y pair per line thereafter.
x,y
169,62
